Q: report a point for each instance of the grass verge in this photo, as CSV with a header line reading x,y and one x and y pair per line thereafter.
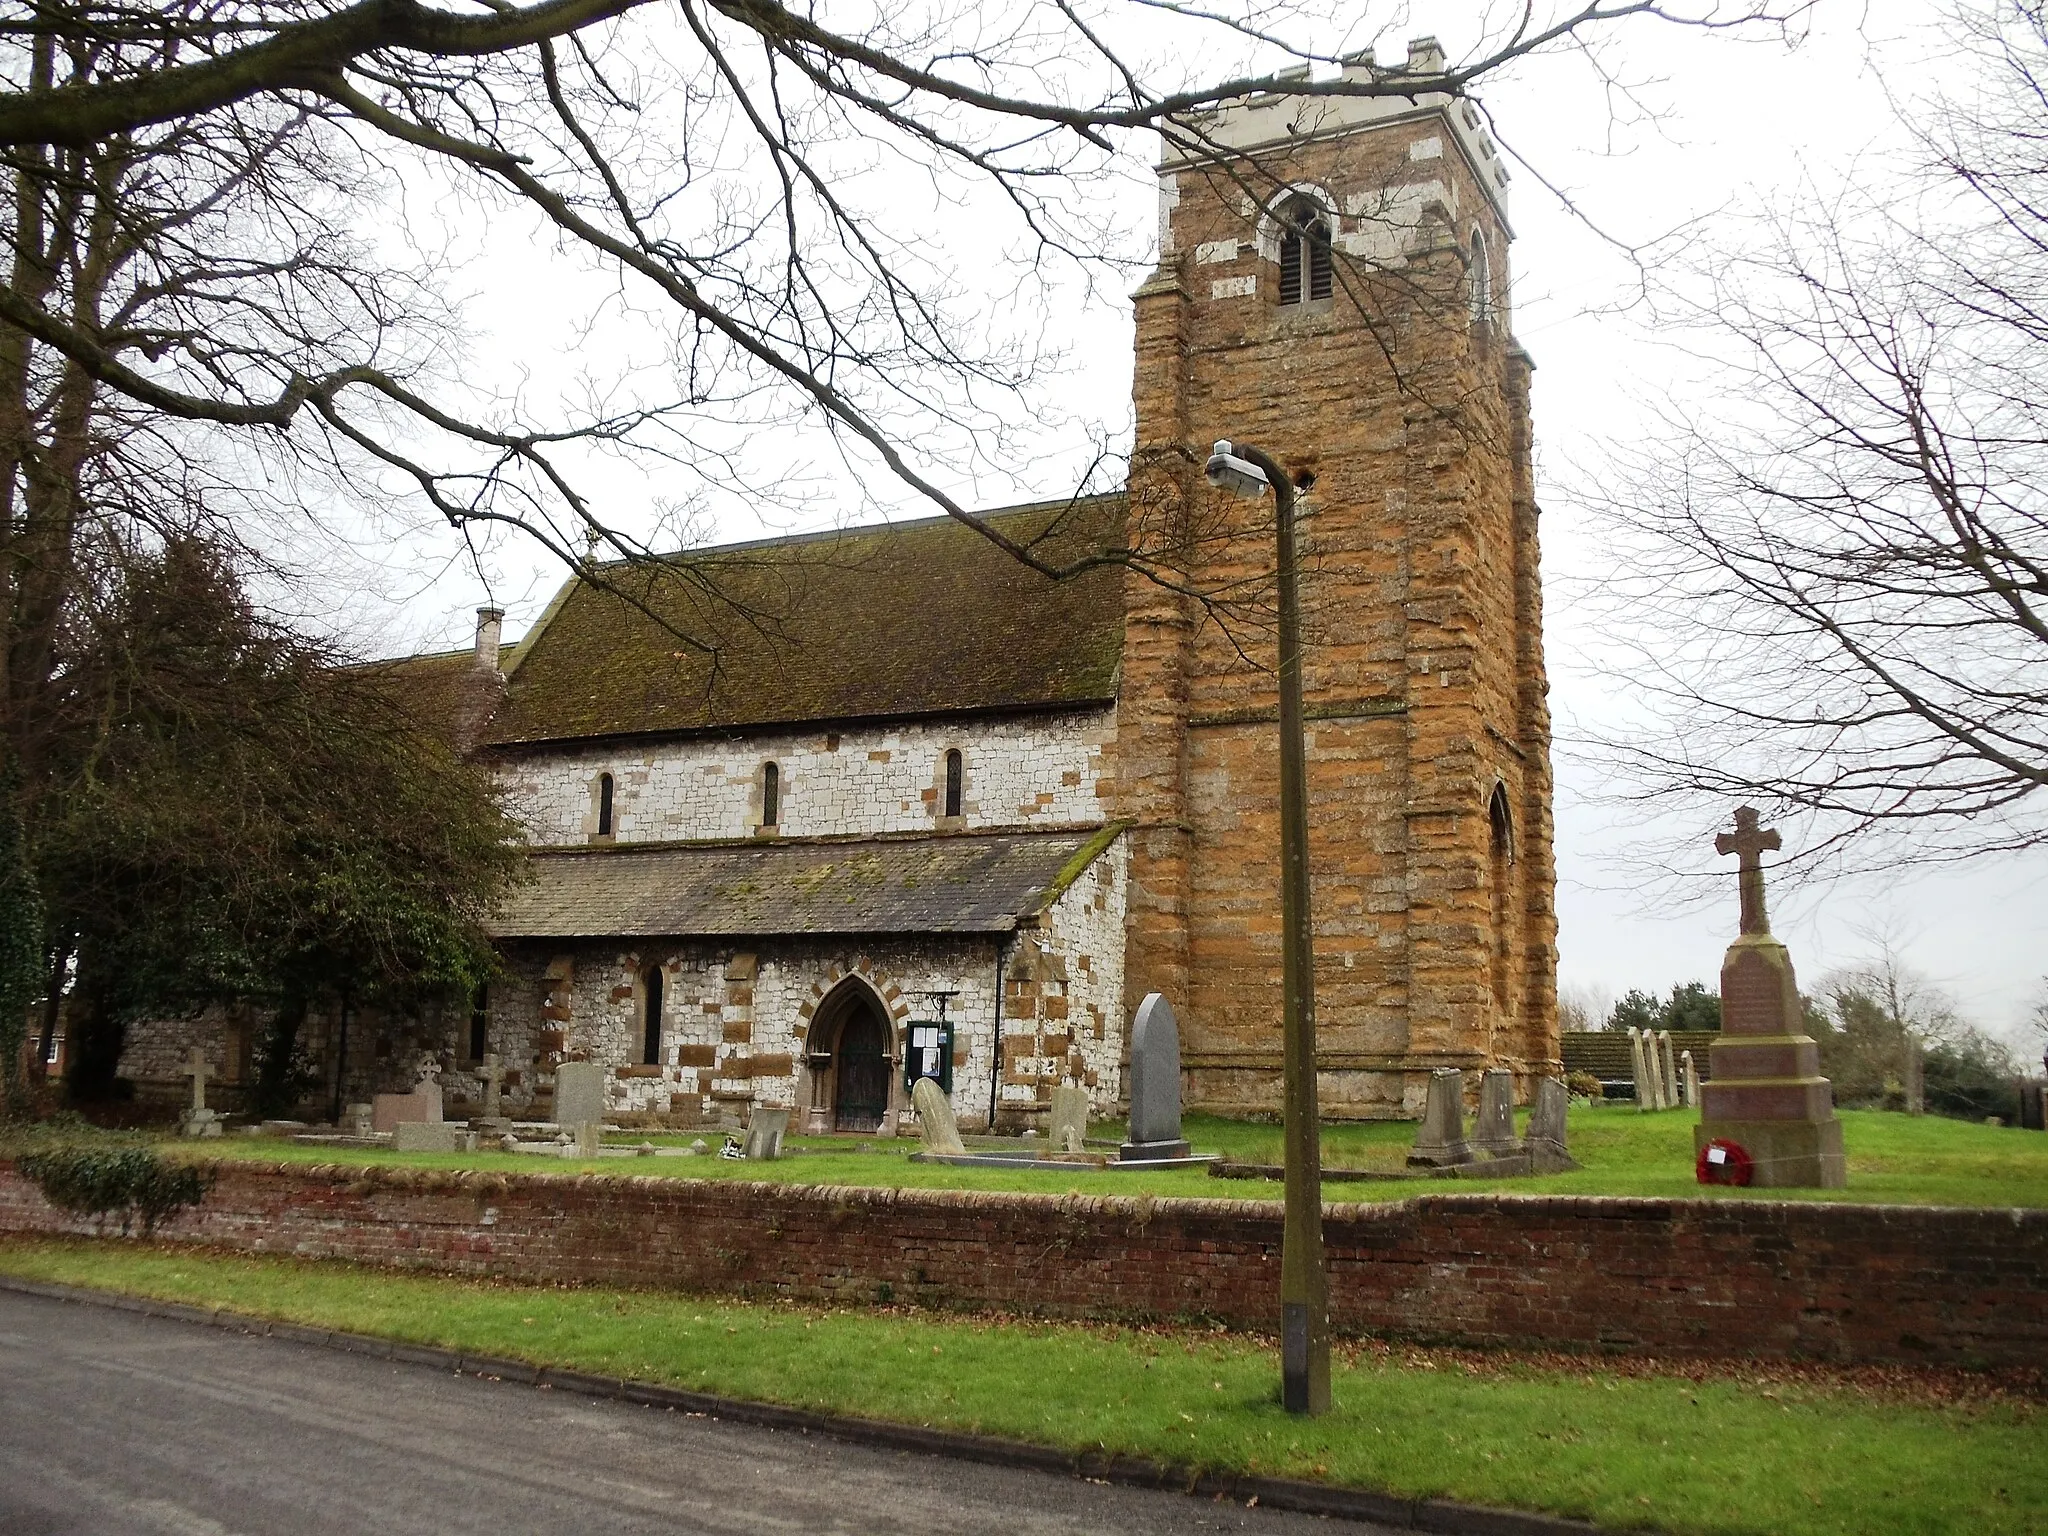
x,y
1785,1450
1893,1160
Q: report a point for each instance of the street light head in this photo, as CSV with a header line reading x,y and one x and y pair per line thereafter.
x,y
1227,472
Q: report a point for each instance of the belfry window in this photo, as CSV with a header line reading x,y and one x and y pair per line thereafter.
x,y
650,991
1481,272
1304,252
771,795
604,805
953,781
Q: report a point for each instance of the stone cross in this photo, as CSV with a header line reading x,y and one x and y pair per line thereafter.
x,y
1749,842
195,1069
494,1077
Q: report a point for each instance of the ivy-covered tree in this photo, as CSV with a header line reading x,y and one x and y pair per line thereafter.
x,y
229,813
21,934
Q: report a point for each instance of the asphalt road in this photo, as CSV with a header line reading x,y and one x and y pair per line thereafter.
x,y
113,1423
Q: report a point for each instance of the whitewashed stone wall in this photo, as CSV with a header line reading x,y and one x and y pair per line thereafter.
x,y
735,1020
1064,1008
1048,770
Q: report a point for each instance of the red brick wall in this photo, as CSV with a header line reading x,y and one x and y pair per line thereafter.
x,y
1651,1276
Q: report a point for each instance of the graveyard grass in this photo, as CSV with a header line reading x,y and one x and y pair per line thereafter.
x,y
1893,1159
1752,1449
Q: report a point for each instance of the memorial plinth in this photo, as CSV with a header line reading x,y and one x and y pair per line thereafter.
x,y
1766,1094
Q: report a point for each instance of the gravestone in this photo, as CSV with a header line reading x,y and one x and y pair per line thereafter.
x,y
494,1085
1155,1084
1069,1121
1667,1070
1692,1080
1767,1095
431,1136
579,1093
589,1139
1494,1131
935,1119
1441,1142
361,1120
198,1120
422,1106
1639,1072
1546,1143
765,1128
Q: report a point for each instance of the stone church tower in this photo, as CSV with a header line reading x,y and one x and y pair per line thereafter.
x,y
1332,287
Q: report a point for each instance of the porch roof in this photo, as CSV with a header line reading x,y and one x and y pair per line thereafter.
x,y
953,883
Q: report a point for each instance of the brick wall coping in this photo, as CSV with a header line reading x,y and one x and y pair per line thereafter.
x,y
1139,1208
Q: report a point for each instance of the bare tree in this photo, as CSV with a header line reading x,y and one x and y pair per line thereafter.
x,y
1829,589
707,160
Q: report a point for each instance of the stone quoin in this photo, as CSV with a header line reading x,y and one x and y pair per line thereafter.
x,y
944,793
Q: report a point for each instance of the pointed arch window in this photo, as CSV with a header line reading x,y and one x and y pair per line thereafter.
x,y
1481,272
771,795
1501,824
606,788
955,776
651,994
1304,252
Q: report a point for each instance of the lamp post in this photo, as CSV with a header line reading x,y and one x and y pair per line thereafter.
x,y
1304,1289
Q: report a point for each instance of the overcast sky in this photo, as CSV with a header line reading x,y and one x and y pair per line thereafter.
x,y
1730,122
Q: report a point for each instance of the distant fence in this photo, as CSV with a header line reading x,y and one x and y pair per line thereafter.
x,y
1693,1277
1605,1053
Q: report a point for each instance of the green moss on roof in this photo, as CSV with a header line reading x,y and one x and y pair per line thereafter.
x,y
919,618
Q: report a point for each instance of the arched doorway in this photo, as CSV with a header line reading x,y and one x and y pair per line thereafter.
x,y
853,1085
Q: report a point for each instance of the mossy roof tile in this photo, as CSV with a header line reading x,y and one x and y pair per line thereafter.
x,y
973,883
873,623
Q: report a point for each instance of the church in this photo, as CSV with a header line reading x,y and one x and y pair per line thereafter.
x,y
810,817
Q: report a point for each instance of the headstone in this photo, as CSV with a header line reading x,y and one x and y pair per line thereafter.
x,y
427,1089
1546,1142
1766,1094
1441,1141
589,1138
431,1136
361,1120
494,1082
1691,1073
420,1107
579,1093
935,1119
1069,1122
1639,1071
765,1128
1155,1084
198,1120
1494,1131
1668,1077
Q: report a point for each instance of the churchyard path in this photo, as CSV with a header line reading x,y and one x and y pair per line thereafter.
x,y
122,1425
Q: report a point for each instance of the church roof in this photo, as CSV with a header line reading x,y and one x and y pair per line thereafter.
x,y
964,883
909,619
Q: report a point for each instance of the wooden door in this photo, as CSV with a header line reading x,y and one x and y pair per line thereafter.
x,y
863,1073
